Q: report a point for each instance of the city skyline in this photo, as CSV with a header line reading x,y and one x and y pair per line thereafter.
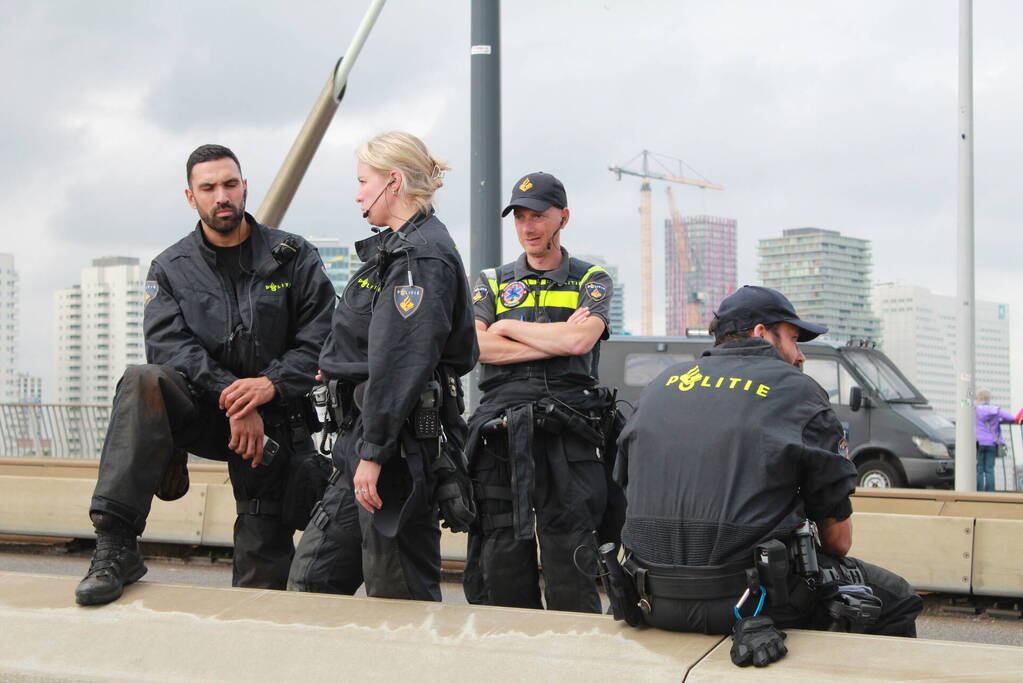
x,y
842,116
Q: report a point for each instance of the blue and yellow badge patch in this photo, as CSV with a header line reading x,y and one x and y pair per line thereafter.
x,y
151,289
595,291
407,299
514,294
843,447
480,293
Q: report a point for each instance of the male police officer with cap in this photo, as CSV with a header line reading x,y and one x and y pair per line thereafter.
x,y
537,441
235,314
732,455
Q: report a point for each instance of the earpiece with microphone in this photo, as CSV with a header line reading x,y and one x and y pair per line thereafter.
x,y
550,242
365,214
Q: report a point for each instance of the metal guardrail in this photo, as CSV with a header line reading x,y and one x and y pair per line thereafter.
x,y
52,430
1009,469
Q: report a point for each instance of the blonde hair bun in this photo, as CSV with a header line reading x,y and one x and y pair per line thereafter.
x,y
422,174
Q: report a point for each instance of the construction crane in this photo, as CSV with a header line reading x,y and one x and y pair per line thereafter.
x,y
645,235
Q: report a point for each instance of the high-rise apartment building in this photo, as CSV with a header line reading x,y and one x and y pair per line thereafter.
x,y
339,261
9,329
617,312
29,388
692,293
918,332
99,330
826,276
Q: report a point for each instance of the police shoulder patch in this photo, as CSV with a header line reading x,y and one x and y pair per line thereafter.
x,y
596,291
480,293
149,292
843,447
407,299
514,294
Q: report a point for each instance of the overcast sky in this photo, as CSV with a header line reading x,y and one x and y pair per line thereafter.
x,y
835,114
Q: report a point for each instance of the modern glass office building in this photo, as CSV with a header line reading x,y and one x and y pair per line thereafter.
x,y
339,261
918,332
692,294
826,276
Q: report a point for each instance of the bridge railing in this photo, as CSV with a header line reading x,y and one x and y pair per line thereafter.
x,y
52,430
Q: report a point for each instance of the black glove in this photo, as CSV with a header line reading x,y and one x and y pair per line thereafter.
x,y
757,642
455,502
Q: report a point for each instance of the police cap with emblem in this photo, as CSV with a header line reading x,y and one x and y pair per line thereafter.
x,y
537,191
751,305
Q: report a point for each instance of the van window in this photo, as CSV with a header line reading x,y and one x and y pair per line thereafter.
x,y
832,376
885,380
640,368
825,372
845,383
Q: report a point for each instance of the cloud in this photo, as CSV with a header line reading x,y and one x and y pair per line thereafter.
x,y
833,114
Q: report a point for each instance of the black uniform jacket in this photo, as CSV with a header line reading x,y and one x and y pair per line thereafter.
x,y
723,454
403,314
190,313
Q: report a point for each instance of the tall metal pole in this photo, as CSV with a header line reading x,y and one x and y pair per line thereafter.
x,y
485,146
966,439
485,137
282,190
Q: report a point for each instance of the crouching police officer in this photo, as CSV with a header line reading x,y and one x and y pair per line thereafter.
x,y
538,441
235,314
738,496
401,338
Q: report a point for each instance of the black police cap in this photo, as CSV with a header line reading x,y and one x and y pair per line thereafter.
x,y
537,191
751,305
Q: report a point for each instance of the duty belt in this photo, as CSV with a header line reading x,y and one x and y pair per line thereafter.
x,y
685,582
520,421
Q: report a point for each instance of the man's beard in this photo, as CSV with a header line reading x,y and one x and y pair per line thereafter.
x,y
227,224
224,224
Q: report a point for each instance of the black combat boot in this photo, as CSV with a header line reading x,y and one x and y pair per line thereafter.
x,y
116,562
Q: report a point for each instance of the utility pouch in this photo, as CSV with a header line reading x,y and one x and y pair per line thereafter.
x,y
426,416
308,473
619,586
772,562
803,549
854,609
239,355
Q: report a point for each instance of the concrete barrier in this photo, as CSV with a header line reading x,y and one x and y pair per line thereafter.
x,y
941,503
938,540
932,553
182,633
160,632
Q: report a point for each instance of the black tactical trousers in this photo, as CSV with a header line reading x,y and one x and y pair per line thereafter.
x,y
154,413
569,497
329,556
900,605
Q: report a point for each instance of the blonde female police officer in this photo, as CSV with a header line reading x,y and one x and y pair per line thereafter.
x,y
401,338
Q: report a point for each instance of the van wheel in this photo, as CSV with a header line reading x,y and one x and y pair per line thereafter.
x,y
879,474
